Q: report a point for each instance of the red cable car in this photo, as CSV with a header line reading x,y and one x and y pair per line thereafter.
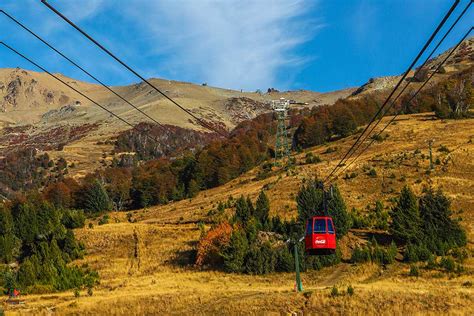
x,y
320,237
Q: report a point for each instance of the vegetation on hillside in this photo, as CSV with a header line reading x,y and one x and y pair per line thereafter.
x,y
423,226
39,238
254,243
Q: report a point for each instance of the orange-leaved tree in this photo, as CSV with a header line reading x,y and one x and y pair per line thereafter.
x,y
210,245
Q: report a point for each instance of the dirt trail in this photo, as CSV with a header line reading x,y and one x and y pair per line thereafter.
x,y
336,276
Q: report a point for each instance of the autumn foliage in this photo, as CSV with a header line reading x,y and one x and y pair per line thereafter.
x,y
212,243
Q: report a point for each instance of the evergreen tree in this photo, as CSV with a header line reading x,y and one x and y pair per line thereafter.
x,y
8,240
406,222
338,211
27,273
254,261
96,199
284,261
262,208
26,225
251,209
242,211
235,252
309,201
435,210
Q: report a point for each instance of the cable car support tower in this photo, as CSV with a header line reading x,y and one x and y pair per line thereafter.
x,y
282,147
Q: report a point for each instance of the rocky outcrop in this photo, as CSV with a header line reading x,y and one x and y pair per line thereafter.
x,y
64,113
241,109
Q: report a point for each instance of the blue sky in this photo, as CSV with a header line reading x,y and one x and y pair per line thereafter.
x,y
239,44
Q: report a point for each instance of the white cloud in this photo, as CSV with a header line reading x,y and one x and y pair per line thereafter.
x,y
240,44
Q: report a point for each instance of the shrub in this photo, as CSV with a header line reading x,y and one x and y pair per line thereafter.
x,y
350,290
431,262
73,219
104,219
414,271
378,137
460,254
448,264
372,173
374,253
330,150
444,149
360,255
349,176
334,291
358,220
311,158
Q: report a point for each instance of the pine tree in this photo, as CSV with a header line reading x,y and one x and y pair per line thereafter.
x,y
254,261
8,241
406,222
309,202
251,209
242,212
96,199
27,273
435,210
235,252
338,211
262,208
285,261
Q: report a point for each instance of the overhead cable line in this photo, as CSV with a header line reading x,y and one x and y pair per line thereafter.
x,y
408,83
350,151
78,66
412,97
201,122
72,88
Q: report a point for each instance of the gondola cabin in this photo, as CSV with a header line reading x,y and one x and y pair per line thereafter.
x,y
320,237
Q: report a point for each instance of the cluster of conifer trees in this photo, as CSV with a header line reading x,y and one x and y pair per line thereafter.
x,y
259,244
425,224
39,237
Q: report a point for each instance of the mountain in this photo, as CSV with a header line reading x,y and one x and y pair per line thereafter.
x,y
38,111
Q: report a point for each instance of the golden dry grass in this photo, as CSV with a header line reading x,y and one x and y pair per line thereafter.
x,y
154,282
144,265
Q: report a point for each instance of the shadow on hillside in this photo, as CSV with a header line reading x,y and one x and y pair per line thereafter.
x,y
185,258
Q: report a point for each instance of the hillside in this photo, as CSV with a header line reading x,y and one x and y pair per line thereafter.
x,y
146,266
38,111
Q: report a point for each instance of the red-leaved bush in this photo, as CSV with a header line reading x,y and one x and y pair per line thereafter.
x,y
210,245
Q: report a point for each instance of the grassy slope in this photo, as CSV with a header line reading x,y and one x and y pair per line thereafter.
x,y
141,264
